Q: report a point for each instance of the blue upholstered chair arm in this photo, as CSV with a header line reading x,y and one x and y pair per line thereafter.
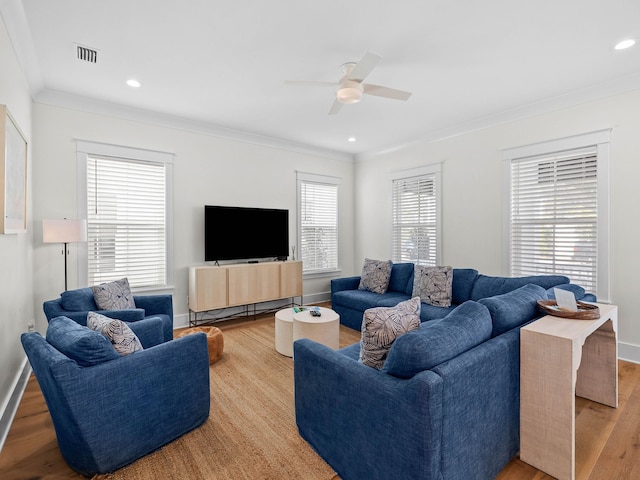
x,y
110,414
155,304
367,424
126,315
345,283
53,309
149,331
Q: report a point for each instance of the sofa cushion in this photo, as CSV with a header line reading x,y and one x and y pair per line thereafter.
x,y
80,300
438,341
359,299
515,308
375,275
79,343
381,326
401,278
433,285
486,286
577,290
113,295
122,338
463,280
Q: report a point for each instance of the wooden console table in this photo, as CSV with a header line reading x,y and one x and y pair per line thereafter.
x,y
220,287
559,359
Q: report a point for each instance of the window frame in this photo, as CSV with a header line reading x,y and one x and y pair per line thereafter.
x,y
304,177
434,171
601,141
85,149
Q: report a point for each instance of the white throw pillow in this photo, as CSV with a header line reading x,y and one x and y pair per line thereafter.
x,y
382,325
375,275
122,338
113,295
433,285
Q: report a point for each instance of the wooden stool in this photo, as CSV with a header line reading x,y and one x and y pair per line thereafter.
x,y
215,340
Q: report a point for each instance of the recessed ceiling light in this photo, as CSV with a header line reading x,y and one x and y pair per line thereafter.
x,y
133,83
351,139
624,44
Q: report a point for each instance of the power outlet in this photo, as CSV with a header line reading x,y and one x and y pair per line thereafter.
x,y
31,327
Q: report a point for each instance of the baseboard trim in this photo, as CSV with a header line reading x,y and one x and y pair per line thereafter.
x,y
629,352
11,408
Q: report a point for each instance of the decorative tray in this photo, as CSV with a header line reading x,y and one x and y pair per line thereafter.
x,y
586,311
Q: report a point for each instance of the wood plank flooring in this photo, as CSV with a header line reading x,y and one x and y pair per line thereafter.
x,y
607,439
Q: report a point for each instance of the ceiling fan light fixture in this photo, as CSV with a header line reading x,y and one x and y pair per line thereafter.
x,y
349,92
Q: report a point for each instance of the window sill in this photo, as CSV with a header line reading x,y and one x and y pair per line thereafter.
x,y
321,273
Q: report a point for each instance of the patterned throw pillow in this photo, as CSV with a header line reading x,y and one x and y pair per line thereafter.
x,y
113,295
375,275
433,285
122,338
382,325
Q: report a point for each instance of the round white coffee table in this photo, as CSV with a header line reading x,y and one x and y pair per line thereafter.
x,y
324,329
284,332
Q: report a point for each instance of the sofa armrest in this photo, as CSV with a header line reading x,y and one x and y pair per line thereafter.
x,y
342,404
149,331
155,304
53,309
126,315
344,283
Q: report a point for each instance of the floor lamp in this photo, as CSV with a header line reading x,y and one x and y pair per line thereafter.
x,y
64,231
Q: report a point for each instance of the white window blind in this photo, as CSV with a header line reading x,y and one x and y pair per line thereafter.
x,y
415,208
127,218
554,215
318,222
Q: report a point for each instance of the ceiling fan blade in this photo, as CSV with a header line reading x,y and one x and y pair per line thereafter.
x,y
387,92
335,108
310,84
364,67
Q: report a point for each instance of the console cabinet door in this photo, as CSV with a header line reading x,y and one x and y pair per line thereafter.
x,y
242,284
291,279
267,282
207,288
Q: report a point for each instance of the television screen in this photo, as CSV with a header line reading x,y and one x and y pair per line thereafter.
x,y
237,233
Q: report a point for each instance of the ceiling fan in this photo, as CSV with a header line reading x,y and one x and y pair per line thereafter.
x,y
350,87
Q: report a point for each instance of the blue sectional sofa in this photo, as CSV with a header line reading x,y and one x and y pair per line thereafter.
x,y
444,406
350,303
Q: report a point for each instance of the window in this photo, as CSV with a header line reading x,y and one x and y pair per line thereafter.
x,y
127,198
558,210
318,222
416,214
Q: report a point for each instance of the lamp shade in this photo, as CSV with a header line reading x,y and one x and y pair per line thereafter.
x,y
64,231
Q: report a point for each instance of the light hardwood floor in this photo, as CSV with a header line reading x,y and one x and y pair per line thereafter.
x,y
607,439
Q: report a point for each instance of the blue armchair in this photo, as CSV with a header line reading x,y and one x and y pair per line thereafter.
x,y
111,410
76,304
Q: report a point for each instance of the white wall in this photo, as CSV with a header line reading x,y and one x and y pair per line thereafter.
x,y
16,267
472,201
207,170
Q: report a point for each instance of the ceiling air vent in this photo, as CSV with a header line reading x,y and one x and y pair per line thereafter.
x,y
86,54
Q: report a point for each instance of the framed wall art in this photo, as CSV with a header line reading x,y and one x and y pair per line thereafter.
x,y
13,175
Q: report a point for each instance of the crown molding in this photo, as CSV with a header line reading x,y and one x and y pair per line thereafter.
x,y
100,107
15,22
571,99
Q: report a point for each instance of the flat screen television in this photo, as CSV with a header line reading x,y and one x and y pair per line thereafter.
x,y
240,233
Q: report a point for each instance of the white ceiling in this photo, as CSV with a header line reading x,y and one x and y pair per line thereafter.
x,y
222,64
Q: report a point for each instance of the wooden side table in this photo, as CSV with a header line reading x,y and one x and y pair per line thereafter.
x,y
559,359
